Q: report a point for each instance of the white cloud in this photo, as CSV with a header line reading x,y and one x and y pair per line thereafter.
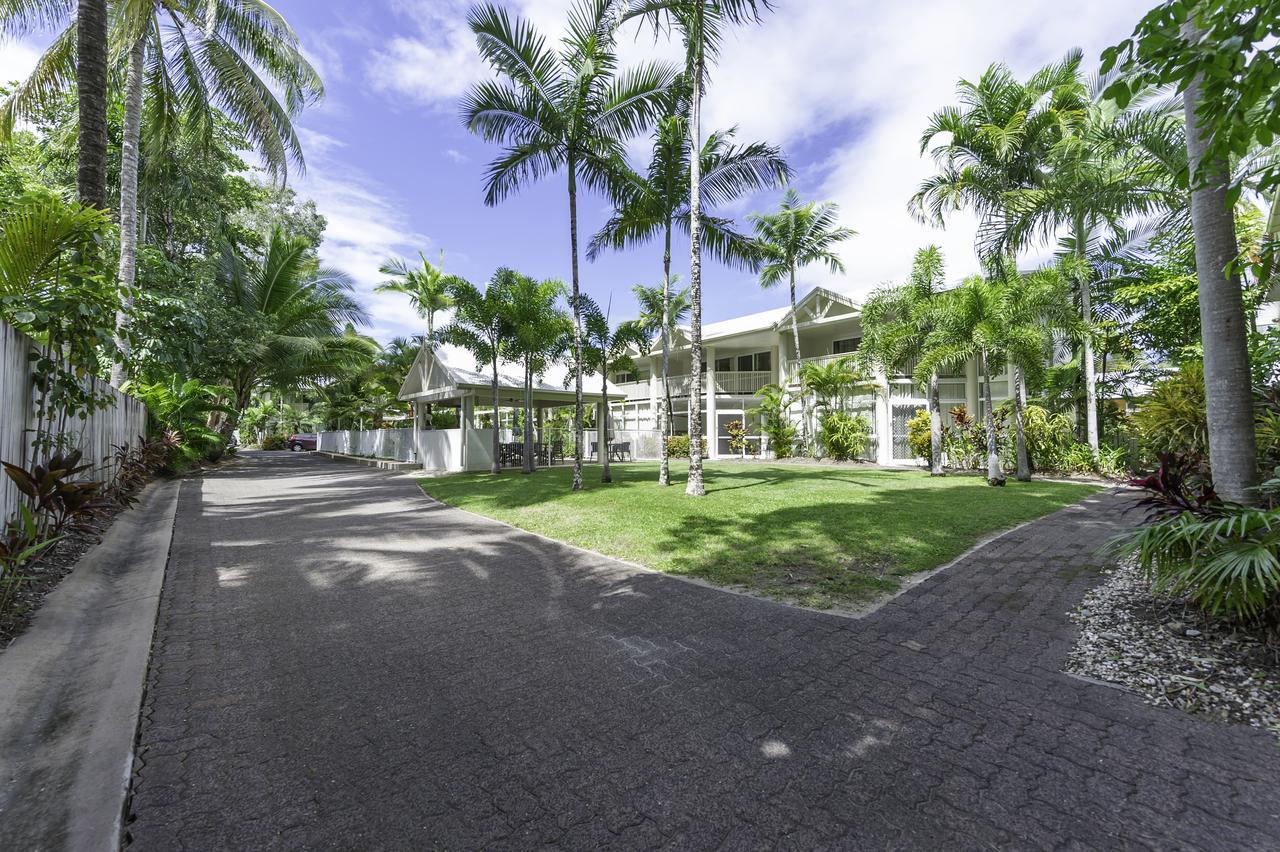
x,y
17,58
795,80
456,155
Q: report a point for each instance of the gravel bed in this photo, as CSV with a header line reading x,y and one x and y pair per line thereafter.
x,y
1174,655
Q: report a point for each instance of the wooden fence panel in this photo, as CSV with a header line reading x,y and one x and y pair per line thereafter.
x,y
122,422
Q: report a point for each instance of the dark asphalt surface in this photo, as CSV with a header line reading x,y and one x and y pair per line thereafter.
x,y
342,664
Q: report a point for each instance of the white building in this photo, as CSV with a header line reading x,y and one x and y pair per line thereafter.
x,y
744,354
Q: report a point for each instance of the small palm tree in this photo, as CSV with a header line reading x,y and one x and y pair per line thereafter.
x,y
969,327
702,25
797,235
425,286
479,325
303,312
897,323
564,110
662,311
538,331
607,352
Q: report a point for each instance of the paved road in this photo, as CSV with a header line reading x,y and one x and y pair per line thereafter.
x,y
342,664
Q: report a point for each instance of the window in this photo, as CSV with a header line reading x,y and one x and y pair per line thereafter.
x,y
758,361
845,346
624,378
724,365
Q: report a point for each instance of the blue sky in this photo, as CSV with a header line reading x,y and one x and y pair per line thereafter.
x,y
843,85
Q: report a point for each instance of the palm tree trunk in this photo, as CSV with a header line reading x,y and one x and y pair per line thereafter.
x,y
129,205
577,326
695,486
1086,353
1233,455
935,427
994,475
664,403
795,339
91,97
1020,436
603,432
496,466
527,462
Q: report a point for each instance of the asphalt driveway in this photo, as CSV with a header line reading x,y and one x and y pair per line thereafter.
x,y
341,663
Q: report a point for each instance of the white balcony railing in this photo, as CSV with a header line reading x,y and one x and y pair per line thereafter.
x,y
793,367
633,390
745,382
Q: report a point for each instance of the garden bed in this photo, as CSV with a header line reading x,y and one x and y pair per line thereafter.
x,y
1173,654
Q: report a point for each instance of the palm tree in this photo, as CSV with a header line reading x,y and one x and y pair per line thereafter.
x,y
304,313
606,353
896,324
654,204
479,325
968,327
537,330
662,310
567,110
425,285
1233,452
998,141
188,59
797,235
701,24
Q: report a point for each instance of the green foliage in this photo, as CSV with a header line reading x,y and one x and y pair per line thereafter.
x,y
774,422
274,441
919,435
678,447
1172,417
738,443
54,491
1237,58
182,408
1226,560
844,436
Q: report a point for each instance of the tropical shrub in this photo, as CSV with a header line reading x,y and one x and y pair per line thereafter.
x,y
1223,556
58,499
774,423
275,441
919,436
738,443
843,435
965,441
678,447
1172,418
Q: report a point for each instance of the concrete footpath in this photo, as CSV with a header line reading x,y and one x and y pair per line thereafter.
x,y
71,688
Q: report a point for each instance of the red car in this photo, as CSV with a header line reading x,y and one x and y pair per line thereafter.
x,y
298,443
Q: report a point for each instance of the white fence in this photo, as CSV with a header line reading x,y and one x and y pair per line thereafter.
x,y
123,422
394,444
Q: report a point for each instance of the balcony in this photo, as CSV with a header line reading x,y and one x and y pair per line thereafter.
x,y
793,367
745,383
633,390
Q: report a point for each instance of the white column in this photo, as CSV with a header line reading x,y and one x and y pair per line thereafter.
x,y
655,390
712,431
884,419
466,422
972,393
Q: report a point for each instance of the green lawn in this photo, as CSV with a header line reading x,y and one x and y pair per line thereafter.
x,y
816,535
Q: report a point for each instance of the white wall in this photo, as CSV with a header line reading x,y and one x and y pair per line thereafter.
x,y
124,421
441,449
396,444
479,449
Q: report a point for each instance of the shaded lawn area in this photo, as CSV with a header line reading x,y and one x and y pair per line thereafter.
x,y
814,535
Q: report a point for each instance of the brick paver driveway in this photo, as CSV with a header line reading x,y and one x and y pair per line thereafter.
x,y
341,663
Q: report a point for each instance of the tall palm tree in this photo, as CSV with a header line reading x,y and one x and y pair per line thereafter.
x,y
969,327
652,205
78,57
662,310
896,324
996,142
702,25
1233,452
479,325
569,109
185,60
607,352
303,310
537,329
797,235
425,285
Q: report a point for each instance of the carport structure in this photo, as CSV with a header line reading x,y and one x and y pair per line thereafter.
x,y
431,384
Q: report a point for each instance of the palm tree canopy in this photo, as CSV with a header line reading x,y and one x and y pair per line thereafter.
x,y
607,347
425,285
550,108
797,235
237,57
897,321
479,323
650,299
538,327
649,204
